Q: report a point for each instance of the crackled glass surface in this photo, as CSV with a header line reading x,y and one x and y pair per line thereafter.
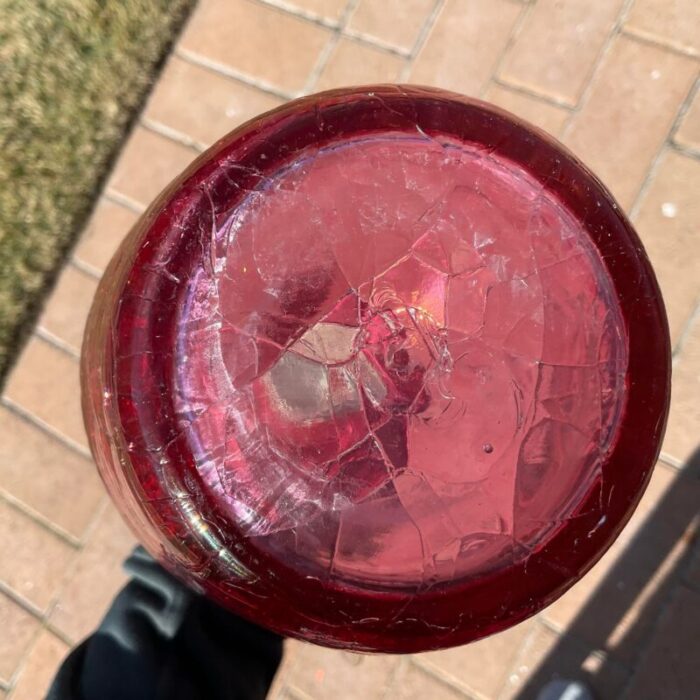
x,y
385,369
410,360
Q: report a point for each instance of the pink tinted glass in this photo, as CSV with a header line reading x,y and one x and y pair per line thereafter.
x,y
367,372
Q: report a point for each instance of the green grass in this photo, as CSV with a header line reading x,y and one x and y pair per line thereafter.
x,y
73,73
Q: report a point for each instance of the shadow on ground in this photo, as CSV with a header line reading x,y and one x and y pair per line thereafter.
x,y
645,615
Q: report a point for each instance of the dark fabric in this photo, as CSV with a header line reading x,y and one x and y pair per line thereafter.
x,y
160,640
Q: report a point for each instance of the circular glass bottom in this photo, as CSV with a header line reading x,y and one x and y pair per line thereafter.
x,y
403,365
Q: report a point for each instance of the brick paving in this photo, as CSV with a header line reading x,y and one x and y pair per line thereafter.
x,y
615,80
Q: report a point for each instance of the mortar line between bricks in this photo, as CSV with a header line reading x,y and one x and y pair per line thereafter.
x,y
47,617
329,48
23,603
421,38
11,686
223,69
84,267
374,42
297,692
512,37
603,655
58,344
321,63
54,340
48,625
445,678
71,262
645,38
649,176
393,677
122,200
551,626
528,91
37,422
694,92
69,573
165,133
685,150
539,622
17,411
39,519
597,64
656,162
99,512
233,74
670,461
171,134
687,329
23,661
429,23
299,12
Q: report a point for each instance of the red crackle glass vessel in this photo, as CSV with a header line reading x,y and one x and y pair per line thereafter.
x,y
385,369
